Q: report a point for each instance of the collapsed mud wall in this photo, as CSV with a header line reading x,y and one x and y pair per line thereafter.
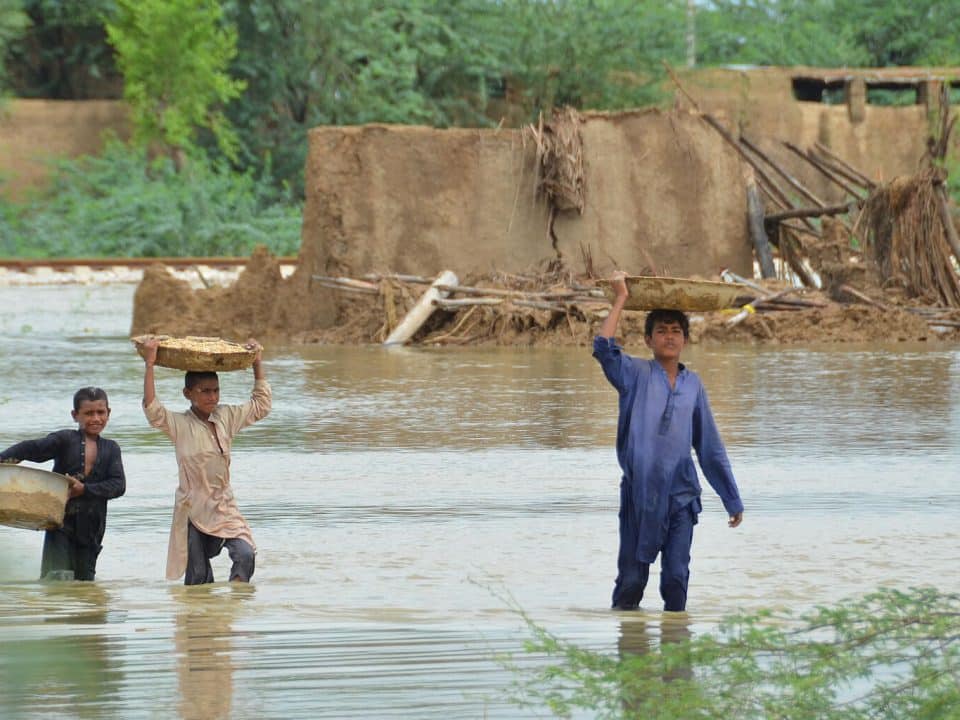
x,y
662,189
32,132
663,192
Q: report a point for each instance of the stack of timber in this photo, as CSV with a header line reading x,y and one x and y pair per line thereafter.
x,y
511,309
453,313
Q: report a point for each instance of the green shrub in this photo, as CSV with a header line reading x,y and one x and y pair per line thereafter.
x,y
122,204
890,654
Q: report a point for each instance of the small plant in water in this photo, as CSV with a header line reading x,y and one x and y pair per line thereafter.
x,y
889,654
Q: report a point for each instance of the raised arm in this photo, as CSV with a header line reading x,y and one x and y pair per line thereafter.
x,y
258,372
258,406
610,323
149,360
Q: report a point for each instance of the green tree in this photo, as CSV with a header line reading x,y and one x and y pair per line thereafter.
x,y
919,32
122,203
13,22
592,54
173,55
776,32
832,33
63,53
423,62
336,63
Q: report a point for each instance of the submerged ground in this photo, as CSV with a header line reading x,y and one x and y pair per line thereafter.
x,y
400,497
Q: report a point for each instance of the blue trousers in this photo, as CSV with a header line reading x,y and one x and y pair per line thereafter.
x,y
632,575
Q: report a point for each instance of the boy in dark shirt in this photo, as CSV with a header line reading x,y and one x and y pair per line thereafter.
x,y
94,468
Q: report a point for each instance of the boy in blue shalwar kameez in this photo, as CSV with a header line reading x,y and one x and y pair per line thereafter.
x,y
664,412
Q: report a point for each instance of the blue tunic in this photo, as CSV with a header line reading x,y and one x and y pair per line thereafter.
x,y
657,427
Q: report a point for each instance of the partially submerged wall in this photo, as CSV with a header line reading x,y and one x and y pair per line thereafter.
x,y
34,132
663,192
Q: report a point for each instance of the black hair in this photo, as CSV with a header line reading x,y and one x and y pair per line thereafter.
x,y
194,377
666,316
91,394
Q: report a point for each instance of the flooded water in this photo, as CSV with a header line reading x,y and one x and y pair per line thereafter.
x,y
405,502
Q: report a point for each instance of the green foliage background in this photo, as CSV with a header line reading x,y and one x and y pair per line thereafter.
x,y
173,55
244,80
122,204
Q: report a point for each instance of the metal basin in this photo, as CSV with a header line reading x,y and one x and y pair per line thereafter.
x,y
32,498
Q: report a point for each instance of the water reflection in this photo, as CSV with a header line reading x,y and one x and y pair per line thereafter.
x,y
67,665
642,635
203,641
663,640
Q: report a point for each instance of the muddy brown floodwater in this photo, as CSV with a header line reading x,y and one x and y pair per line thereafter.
x,y
400,497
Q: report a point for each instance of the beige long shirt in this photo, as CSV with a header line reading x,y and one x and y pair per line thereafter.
x,y
204,496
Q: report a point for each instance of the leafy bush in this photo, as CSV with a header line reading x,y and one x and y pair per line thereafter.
x,y
123,204
890,654
173,55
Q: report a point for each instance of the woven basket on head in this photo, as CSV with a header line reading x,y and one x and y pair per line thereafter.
x,y
203,354
652,293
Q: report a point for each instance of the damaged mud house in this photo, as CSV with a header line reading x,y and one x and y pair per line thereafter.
x,y
839,200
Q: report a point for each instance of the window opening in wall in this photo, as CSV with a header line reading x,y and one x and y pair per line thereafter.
x,y
808,90
893,95
834,95
818,90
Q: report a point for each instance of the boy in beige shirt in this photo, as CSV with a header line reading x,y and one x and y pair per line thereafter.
x,y
205,515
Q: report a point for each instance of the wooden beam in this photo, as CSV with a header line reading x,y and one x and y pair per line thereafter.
x,y
758,230
811,212
420,312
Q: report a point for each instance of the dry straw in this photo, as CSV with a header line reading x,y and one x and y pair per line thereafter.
x,y
560,159
198,354
903,226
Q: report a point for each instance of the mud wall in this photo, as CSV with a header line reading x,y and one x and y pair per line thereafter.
x,y
759,103
663,192
32,132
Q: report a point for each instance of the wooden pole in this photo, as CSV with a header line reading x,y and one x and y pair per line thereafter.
x,y
751,308
585,295
948,225
782,172
827,173
345,283
854,174
448,304
400,278
862,297
811,212
420,312
758,231
764,179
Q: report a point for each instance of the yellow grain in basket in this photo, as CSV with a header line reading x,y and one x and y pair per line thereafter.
x,y
198,353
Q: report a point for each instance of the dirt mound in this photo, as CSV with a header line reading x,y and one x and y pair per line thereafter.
x,y
166,305
835,323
